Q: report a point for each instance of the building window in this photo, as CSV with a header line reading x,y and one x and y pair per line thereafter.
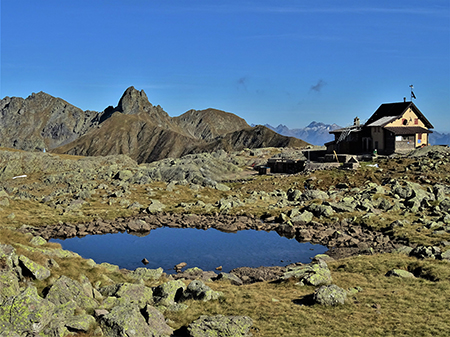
x,y
416,121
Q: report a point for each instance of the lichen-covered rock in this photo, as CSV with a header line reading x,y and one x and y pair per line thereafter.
x,y
321,210
65,289
25,314
110,267
156,322
155,206
330,295
30,267
132,293
8,257
146,274
168,293
446,255
9,285
230,277
80,322
38,241
124,175
61,315
197,290
293,194
314,194
426,252
303,218
220,326
343,206
125,320
315,273
400,273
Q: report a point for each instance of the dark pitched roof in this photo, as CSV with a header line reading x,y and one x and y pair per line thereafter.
x,y
407,130
352,128
397,109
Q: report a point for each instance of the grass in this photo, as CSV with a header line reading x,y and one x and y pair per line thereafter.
x,y
387,306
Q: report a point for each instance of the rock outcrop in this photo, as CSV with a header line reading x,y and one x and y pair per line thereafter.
x,y
68,306
221,326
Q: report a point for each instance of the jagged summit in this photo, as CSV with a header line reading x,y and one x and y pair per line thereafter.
x,y
133,102
134,127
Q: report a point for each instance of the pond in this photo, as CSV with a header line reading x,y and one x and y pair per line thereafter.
x,y
207,249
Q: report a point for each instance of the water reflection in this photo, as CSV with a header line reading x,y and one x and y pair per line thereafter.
x,y
207,249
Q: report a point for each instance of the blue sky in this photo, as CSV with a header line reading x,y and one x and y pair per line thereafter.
x,y
276,62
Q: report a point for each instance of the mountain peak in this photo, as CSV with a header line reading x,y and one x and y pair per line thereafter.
x,y
133,101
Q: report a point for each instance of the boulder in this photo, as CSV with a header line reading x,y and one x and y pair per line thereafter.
x,y
155,207
125,320
426,252
80,322
446,255
230,277
330,295
343,206
156,322
197,290
315,273
124,175
38,241
220,326
314,194
130,293
25,314
65,289
321,210
400,273
444,205
404,192
30,267
8,257
303,218
9,285
146,274
138,225
168,293
293,194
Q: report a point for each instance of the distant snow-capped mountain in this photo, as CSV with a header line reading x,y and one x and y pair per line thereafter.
x,y
315,133
437,138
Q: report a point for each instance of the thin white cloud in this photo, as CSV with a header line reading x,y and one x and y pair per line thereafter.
x,y
246,8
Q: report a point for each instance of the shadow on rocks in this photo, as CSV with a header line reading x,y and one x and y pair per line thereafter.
x,y
307,300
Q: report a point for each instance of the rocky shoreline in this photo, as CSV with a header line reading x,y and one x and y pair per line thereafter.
x,y
343,239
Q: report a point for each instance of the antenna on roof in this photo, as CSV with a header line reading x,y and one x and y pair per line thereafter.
x,y
412,93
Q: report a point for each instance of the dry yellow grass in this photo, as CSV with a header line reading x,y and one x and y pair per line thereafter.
x,y
387,306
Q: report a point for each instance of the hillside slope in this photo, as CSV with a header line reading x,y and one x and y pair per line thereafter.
x,y
210,123
42,121
134,127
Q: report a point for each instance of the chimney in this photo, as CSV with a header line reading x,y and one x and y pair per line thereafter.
x,y
404,99
356,121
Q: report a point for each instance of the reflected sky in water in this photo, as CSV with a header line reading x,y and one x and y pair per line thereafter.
x,y
206,249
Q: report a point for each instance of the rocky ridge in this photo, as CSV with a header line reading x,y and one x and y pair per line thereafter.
x,y
135,127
